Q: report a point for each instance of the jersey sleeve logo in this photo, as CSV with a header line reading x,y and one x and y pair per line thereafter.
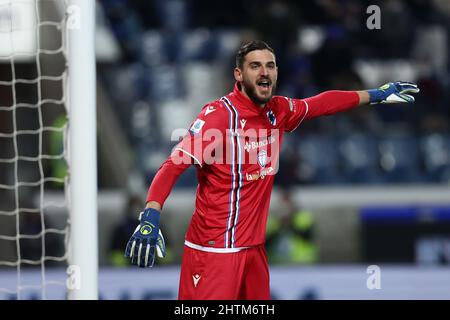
x,y
197,126
291,105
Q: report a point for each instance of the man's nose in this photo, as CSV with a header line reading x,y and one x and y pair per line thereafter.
x,y
264,71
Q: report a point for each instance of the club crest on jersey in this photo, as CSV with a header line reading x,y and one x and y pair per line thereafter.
x,y
197,126
262,158
271,117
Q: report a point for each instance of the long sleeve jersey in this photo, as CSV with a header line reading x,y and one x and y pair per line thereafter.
x,y
235,146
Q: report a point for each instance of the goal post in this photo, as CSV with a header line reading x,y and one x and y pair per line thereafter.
x,y
82,148
48,157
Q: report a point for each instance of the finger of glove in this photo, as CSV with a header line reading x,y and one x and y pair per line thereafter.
x,y
408,98
128,247
160,251
146,255
135,252
161,246
406,83
405,87
410,90
140,256
142,253
131,252
151,256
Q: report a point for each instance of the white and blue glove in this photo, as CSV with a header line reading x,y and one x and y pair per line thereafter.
x,y
394,92
146,239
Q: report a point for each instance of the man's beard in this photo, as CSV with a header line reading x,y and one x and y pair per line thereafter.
x,y
250,89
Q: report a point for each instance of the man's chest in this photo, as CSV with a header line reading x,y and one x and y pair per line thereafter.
x,y
252,150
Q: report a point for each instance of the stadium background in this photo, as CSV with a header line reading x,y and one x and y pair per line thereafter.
x,y
372,184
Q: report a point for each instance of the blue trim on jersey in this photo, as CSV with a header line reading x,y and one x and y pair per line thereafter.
x,y
238,192
230,214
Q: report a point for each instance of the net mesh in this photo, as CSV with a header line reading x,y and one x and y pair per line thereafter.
x,y
34,214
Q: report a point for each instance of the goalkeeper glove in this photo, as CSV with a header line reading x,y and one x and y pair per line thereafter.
x,y
145,240
393,92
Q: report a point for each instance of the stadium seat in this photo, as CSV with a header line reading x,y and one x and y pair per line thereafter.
x,y
359,159
151,49
200,45
399,159
435,154
319,158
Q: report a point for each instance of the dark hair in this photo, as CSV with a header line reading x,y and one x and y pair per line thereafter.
x,y
249,47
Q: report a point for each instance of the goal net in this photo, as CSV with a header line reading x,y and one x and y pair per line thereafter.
x,y
34,122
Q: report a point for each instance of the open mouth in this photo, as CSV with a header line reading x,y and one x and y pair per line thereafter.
x,y
264,84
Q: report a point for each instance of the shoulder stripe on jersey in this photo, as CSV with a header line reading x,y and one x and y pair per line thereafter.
x,y
233,175
240,176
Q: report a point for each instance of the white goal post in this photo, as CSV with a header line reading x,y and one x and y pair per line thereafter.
x,y
48,74
83,148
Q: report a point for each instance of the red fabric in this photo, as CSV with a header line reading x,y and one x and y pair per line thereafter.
x,y
233,195
164,180
331,102
207,132
236,144
326,103
242,275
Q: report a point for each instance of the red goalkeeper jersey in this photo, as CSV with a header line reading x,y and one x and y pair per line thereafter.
x,y
235,144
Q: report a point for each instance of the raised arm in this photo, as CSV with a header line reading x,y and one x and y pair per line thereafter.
x,y
334,101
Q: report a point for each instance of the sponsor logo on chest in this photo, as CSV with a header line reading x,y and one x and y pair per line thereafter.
x,y
260,174
251,145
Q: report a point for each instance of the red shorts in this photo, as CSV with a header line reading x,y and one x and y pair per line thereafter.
x,y
242,275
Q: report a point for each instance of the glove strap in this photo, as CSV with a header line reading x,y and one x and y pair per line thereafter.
x,y
376,95
150,215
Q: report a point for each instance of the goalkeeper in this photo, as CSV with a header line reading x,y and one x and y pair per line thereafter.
x,y
224,255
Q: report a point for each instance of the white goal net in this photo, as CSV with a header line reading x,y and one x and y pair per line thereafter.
x,y
34,227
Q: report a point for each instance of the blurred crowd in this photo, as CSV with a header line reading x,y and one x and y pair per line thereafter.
x,y
179,54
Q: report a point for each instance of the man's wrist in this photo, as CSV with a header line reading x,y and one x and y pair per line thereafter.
x,y
151,215
153,205
364,97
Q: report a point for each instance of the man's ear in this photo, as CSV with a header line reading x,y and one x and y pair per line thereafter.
x,y
238,74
